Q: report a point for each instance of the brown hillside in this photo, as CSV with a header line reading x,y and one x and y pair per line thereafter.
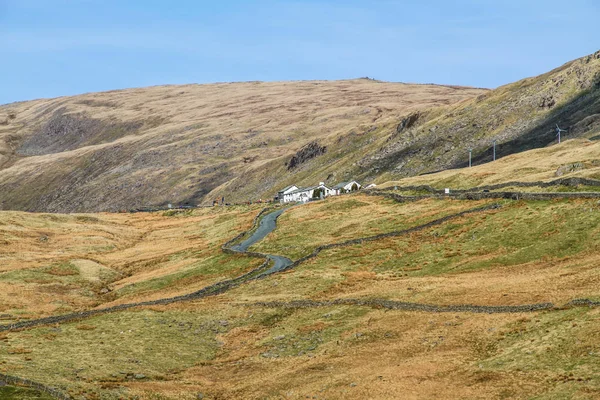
x,y
176,144
519,117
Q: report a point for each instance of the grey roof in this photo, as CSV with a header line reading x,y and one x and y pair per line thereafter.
x,y
307,189
287,188
342,184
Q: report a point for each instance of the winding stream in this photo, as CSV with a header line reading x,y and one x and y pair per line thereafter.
x,y
266,226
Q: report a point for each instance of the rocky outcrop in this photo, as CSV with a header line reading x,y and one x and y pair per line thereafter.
x,y
408,122
311,150
587,124
547,101
569,168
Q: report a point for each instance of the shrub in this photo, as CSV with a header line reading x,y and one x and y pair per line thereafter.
x,y
317,193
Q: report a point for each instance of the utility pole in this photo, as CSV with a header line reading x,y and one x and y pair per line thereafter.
x,y
494,150
470,156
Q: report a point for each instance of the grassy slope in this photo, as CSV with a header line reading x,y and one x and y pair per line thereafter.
x,y
225,347
16,393
177,144
545,164
517,116
59,263
195,143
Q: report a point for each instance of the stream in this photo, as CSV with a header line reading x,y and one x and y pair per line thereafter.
x,y
266,226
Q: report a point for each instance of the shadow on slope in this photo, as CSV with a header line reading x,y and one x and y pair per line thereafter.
x,y
578,117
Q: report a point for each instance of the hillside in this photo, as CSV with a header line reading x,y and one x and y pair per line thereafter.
x,y
192,144
518,116
387,294
573,158
189,144
445,298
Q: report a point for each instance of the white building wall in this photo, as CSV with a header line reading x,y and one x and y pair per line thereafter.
x,y
348,187
306,195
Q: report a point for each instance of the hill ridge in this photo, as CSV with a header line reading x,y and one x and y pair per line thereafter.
x,y
190,144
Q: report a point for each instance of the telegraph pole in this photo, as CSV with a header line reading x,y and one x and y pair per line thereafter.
x,y
494,150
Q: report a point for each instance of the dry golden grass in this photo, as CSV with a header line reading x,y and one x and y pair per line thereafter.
x,y
381,355
226,347
195,139
58,263
530,166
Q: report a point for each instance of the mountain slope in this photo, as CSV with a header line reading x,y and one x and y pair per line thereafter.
x,y
573,159
196,143
176,144
519,117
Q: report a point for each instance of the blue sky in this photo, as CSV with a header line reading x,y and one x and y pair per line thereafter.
x,y
51,48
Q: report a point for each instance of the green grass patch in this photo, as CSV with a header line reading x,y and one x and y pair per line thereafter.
x,y
177,213
113,348
518,233
220,265
62,272
20,393
564,346
303,331
301,229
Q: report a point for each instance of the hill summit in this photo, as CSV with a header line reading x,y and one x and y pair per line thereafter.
x,y
191,144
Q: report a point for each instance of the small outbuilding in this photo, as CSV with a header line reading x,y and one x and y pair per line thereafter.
x,y
345,187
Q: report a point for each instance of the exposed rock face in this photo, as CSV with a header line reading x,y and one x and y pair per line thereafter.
x,y
547,101
311,150
586,125
408,122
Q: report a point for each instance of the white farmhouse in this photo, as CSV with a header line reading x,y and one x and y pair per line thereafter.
x,y
344,187
306,194
285,191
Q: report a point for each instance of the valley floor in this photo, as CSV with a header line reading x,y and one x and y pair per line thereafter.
x,y
322,329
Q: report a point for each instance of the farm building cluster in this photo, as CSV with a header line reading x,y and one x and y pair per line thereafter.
x,y
294,194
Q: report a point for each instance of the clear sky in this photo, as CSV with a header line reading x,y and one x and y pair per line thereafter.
x,y
52,48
